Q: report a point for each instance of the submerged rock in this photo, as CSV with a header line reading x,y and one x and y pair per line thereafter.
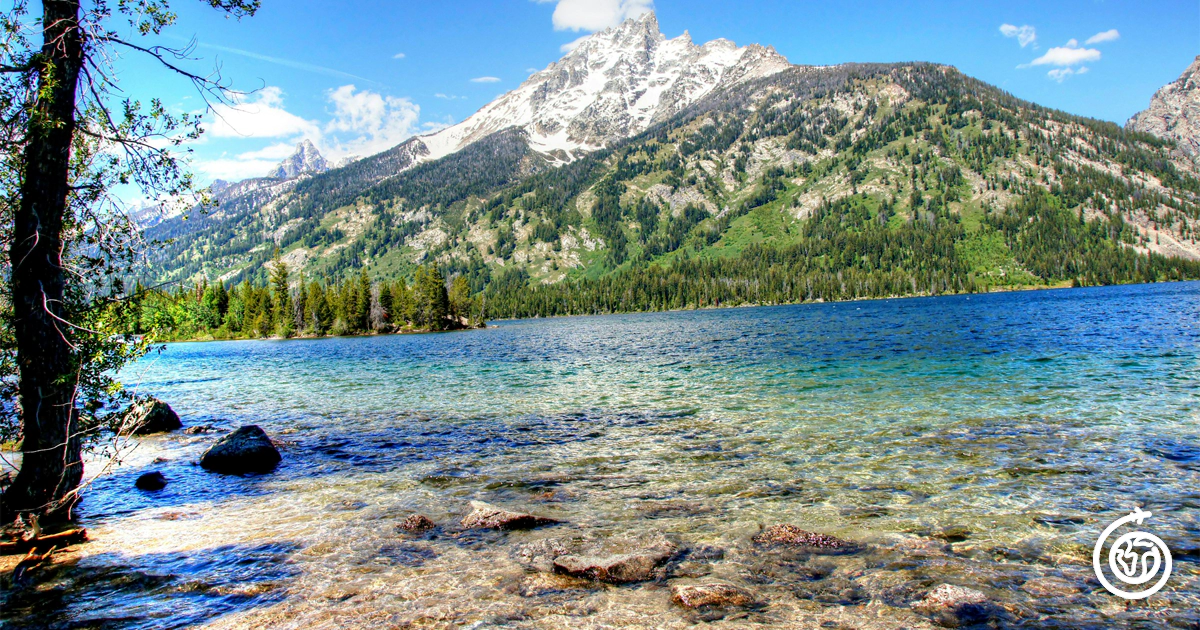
x,y
417,524
487,516
792,536
1050,587
199,429
151,416
716,595
247,450
616,569
151,481
953,606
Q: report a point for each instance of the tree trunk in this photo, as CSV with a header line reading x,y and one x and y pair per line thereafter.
x,y
51,466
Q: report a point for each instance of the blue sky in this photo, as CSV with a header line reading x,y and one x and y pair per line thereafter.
x,y
358,76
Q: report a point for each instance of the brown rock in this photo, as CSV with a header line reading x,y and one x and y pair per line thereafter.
x,y
417,524
616,569
1050,587
715,595
486,516
953,606
792,536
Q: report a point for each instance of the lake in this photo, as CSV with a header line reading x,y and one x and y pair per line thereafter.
x,y
980,440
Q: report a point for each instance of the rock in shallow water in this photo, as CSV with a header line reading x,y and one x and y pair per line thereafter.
x,y
151,416
151,481
247,450
617,569
954,606
792,536
717,595
487,516
417,524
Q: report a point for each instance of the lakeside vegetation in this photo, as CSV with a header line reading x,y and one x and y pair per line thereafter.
x,y
289,306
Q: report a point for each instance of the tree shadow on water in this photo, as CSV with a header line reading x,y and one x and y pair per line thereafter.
x,y
157,590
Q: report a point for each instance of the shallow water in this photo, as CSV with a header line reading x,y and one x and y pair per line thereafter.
x,y
978,440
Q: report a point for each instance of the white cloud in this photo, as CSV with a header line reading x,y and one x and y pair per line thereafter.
x,y
1061,74
399,56
573,44
260,115
531,70
276,152
595,15
485,80
1065,56
1025,35
235,170
1110,35
449,97
365,123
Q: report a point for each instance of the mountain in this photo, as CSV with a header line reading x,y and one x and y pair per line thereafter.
x,y
1174,112
306,160
641,172
613,85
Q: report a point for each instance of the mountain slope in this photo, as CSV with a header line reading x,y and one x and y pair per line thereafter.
x,y
1174,112
808,183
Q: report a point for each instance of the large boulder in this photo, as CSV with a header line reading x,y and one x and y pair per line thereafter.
x,y
487,516
247,450
151,416
615,569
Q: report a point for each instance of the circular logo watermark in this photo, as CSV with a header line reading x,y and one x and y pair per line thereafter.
x,y
1134,559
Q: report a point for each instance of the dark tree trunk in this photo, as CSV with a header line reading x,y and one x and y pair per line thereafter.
x,y
51,466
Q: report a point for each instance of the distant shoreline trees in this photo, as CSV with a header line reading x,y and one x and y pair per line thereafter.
x,y
289,305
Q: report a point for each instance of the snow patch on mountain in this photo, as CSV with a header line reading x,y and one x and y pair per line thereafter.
x,y
613,85
306,160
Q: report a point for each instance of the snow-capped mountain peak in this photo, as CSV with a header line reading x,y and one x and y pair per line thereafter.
x,y
306,159
610,86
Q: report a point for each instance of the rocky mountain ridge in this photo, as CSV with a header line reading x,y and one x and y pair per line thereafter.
x,y
1174,113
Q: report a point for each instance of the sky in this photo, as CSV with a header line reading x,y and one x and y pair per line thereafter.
x,y
360,76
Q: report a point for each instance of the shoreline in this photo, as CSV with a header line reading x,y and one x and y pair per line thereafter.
x,y
1066,285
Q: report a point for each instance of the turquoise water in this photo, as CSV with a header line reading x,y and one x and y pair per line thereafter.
x,y
979,440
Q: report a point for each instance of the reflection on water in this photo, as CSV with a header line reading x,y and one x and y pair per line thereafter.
x,y
982,440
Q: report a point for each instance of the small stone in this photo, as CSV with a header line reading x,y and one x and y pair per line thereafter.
x,y
199,429
247,450
1050,587
952,606
486,516
792,536
717,595
954,533
616,569
151,481
151,416
417,524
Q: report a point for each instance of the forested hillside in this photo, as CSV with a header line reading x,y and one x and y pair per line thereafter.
x,y
811,184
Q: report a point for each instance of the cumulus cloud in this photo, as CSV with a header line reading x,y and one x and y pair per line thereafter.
x,y
1061,74
485,80
365,123
1025,35
573,44
276,152
361,122
1065,56
1110,35
595,15
259,115
399,56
